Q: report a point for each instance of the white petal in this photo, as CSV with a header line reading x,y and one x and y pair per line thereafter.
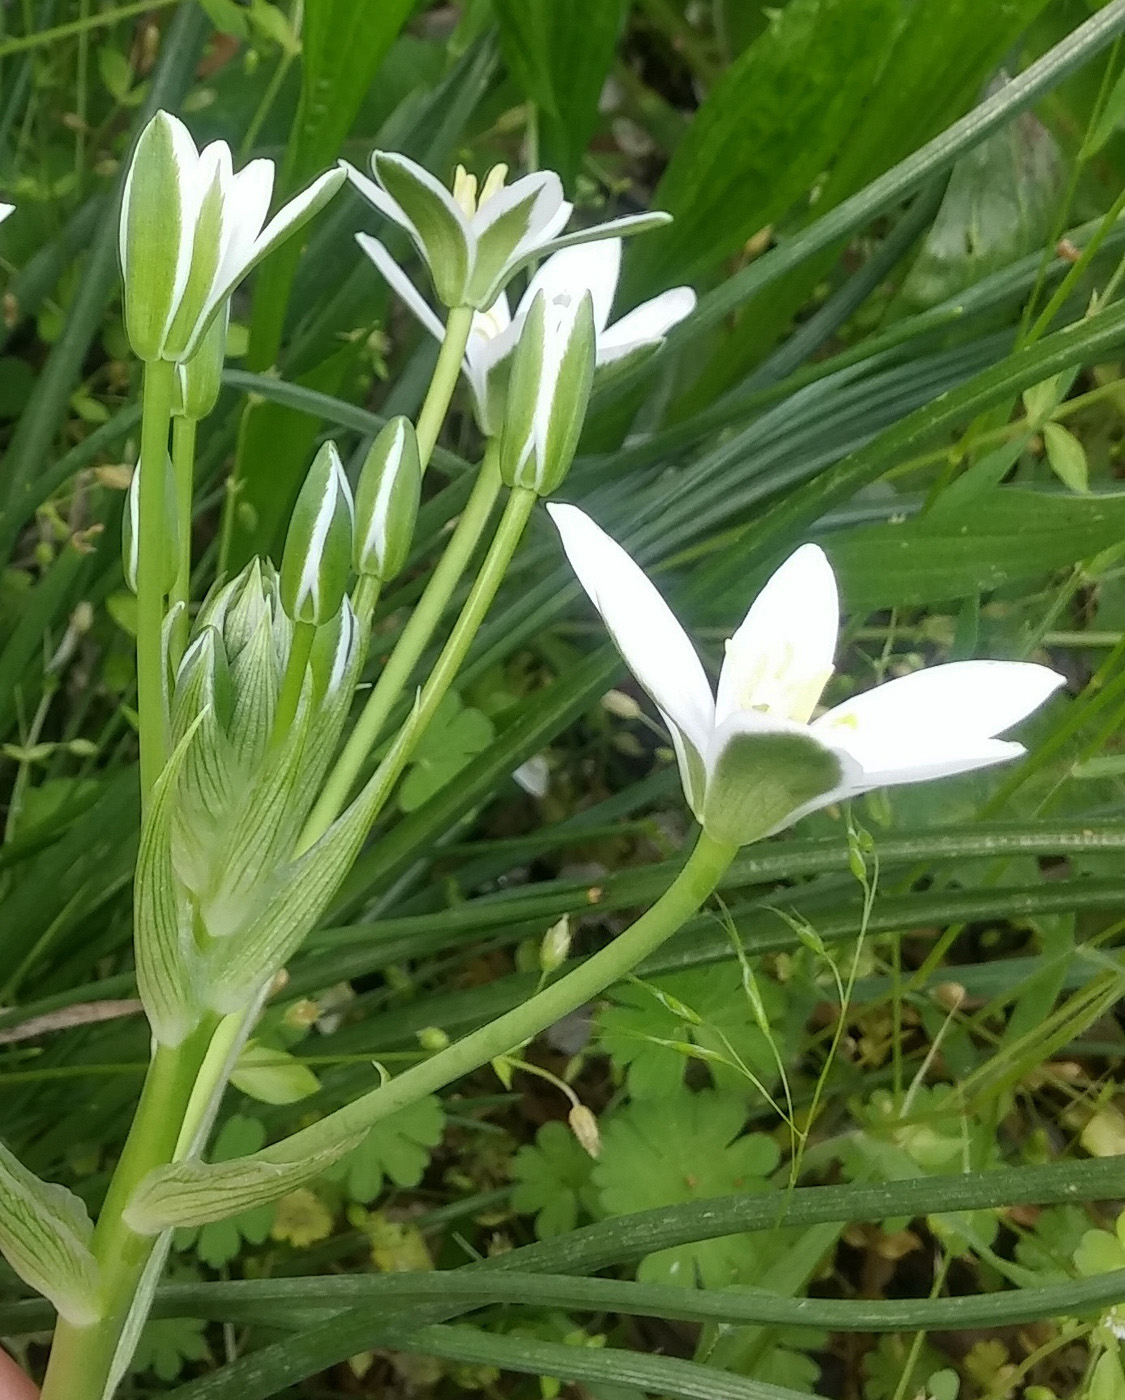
x,y
377,196
589,267
401,284
938,721
248,202
543,187
643,627
780,659
645,324
5,210
421,176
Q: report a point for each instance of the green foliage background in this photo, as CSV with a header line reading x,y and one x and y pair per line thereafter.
x,y
856,1123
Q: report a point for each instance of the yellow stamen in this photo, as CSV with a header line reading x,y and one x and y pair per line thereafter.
x,y
465,190
493,183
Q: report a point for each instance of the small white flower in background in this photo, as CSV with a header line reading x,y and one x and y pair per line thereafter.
x,y
752,759
191,229
5,210
564,278
475,241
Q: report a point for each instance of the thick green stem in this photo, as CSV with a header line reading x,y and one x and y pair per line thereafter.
x,y
695,882
156,413
364,597
407,651
81,1357
444,382
304,634
183,470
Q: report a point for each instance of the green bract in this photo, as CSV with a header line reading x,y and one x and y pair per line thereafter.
x,y
474,242
217,897
318,548
386,501
130,531
549,390
191,229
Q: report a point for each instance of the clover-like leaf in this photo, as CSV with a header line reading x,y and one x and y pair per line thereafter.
x,y
646,1032
454,737
684,1147
398,1148
553,1179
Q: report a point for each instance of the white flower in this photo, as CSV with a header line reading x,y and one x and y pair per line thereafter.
x,y
5,210
191,229
564,278
752,758
474,242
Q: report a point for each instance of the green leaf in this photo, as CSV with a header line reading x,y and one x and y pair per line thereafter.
x,y
220,1241
45,1236
272,1076
552,1179
1109,122
560,55
453,738
398,1149
767,130
1000,203
1005,536
683,1147
168,1344
1067,457
631,1028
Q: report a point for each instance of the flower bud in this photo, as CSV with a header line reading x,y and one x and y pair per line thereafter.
x,y
130,532
386,501
584,1126
333,651
318,548
555,947
199,379
552,373
156,232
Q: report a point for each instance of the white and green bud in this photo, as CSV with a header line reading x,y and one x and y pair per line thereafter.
x,y
316,564
333,653
548,394
199,380
191,229
386,501
170,535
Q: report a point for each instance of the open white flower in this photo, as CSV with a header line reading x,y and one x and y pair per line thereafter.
x,y
191,229
752,758
564,279
475,241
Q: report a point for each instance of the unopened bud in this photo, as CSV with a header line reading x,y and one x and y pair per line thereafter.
x,y
318,548
621,705
584,1126
199,379
548,394
555,947
386,501
155,232
131,531
432,1039
333,651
